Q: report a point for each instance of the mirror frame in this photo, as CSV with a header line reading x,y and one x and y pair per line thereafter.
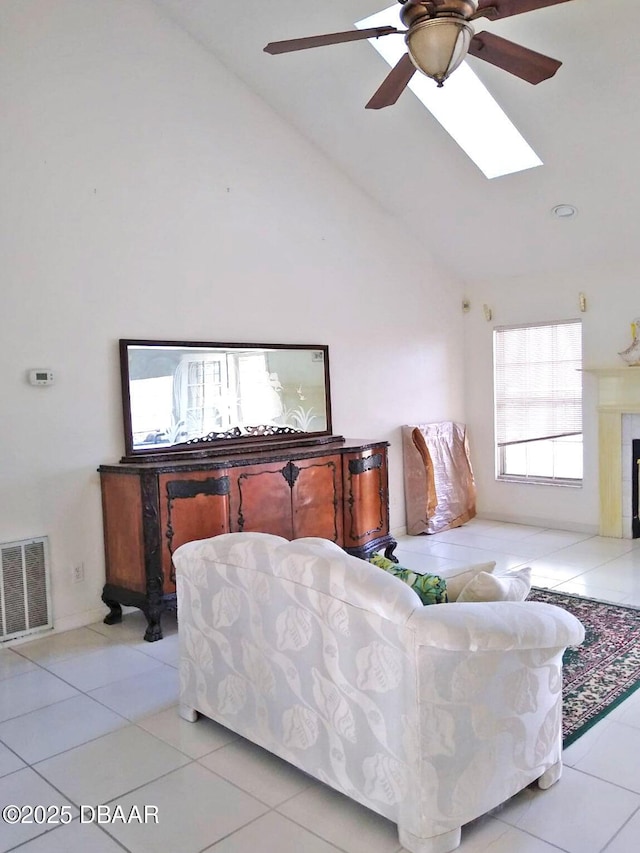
x,y
219,445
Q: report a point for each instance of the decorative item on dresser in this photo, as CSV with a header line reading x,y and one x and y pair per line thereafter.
x,y
226,438
194,398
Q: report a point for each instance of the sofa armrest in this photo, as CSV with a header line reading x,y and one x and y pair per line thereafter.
x,y
495,626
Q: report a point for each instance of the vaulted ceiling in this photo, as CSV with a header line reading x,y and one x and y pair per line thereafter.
x,y
584,123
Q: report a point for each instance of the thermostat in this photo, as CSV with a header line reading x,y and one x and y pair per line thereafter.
x,y
41,376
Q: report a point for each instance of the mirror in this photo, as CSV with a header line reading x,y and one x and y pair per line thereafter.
x,y
182,397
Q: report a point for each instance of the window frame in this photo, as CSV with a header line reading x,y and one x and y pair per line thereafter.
x,y
500,446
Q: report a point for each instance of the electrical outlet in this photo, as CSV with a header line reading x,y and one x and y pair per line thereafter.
x,y
78,573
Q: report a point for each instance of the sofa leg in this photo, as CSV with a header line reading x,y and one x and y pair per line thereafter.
x,y
187,713
550,776
436,844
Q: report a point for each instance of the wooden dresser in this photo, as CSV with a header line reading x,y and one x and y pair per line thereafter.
x,y
338,491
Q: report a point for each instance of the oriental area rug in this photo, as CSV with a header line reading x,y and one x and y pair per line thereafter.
x,y
605,669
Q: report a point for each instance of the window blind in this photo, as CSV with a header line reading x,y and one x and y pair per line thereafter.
x,y
538,383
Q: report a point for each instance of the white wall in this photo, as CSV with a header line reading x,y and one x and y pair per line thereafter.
x,y
612,304
146,193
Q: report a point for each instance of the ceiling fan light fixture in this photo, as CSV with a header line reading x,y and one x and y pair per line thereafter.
x,y
437,46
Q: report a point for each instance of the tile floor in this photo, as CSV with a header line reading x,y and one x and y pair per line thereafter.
x,y
89,717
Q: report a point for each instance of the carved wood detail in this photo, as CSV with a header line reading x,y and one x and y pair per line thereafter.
x,y
360,466
186,489
153,560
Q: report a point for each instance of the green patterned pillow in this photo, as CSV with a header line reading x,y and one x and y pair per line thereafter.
x,y
431,589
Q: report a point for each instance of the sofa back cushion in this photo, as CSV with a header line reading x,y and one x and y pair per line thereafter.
x,y
325,567
311,562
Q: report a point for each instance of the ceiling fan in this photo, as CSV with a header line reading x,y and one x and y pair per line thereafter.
x,y
438,37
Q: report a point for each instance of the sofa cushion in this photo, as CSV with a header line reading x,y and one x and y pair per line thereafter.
x,y
513,585
326,568
431,589
232,549
459,577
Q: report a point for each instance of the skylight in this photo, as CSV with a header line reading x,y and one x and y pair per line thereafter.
x,y
463,106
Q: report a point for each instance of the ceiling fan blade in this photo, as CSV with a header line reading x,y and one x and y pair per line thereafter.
x,y
514,58
495,9
393,85
331,38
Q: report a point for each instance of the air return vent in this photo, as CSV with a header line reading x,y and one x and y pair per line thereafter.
x,y
24,588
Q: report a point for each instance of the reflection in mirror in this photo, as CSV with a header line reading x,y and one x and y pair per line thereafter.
x,y
179,393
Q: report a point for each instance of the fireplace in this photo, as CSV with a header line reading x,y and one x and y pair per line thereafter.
x,y
635,474
618,395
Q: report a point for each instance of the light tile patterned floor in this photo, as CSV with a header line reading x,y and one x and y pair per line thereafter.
x,y
89,717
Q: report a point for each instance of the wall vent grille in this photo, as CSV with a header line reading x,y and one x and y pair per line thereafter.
x,y
24,588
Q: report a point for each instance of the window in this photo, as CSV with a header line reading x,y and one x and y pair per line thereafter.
x,y
538,402
201,396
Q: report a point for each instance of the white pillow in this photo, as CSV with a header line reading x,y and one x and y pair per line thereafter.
x,y
458,578
513,585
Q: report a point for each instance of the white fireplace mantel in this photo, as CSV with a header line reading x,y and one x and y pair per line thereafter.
x,y
618,394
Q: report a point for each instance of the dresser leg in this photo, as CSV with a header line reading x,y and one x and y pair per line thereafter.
x,y
115,611
154,629
388,551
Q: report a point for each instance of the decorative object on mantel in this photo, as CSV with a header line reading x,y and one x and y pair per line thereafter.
x,y
632,353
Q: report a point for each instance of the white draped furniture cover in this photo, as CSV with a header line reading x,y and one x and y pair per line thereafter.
x,y
430,716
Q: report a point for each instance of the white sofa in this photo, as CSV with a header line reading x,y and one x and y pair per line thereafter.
x,y
430,716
